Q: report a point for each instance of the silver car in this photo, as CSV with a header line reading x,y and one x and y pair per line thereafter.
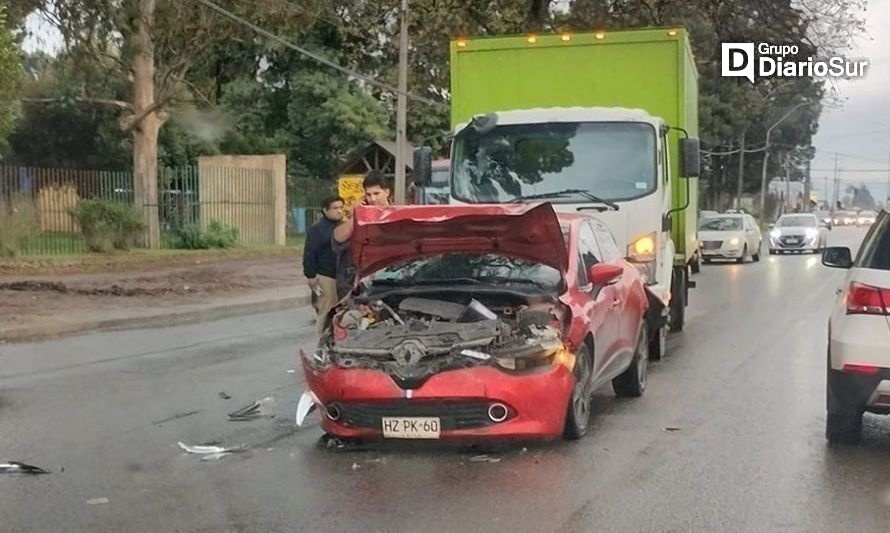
x,y
798,232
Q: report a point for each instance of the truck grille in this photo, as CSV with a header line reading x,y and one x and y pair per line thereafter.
x,y
453,414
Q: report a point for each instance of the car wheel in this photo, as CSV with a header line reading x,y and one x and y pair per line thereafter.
x,y
741,260
756,256
578,415
632,383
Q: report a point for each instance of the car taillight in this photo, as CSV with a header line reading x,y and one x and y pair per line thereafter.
x,y
864,370
867,300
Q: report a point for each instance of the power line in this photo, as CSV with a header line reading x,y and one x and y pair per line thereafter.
x,y
315,57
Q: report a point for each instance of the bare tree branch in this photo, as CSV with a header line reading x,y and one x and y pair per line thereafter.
x,y
128,124
86,100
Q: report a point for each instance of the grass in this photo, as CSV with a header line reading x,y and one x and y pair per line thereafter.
x,y
52,253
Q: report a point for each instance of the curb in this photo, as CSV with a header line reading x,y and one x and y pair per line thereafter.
x,y
166,319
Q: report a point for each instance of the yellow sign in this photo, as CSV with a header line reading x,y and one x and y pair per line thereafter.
x,y
350,189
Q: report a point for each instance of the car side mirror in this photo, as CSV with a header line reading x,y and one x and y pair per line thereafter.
x,y
837,257
602,274
423,165
690,157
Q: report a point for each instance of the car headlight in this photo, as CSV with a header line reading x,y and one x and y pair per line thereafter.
x,y
734,241
775,234
558,356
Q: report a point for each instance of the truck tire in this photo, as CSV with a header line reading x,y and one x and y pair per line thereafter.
x,y
695,265
677,317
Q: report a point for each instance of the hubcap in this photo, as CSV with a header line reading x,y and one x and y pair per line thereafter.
x,y
642,360
580,398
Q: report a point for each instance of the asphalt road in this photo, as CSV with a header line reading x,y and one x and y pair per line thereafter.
x,y
743,389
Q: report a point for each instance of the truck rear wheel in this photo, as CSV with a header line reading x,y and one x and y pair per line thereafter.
x,y
677,317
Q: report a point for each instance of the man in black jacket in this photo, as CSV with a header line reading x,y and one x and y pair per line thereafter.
x,y
319,260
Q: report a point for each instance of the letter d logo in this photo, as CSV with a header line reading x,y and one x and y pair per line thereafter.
x,y
738,60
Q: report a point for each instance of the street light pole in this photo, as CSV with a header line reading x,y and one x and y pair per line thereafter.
x,y
402,109
763,184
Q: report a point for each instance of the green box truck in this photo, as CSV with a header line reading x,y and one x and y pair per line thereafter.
x,y
603,121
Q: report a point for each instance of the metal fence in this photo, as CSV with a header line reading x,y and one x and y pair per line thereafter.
x,y
35,204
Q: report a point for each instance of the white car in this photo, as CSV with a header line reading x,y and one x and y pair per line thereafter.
x,y
798,232
729,237
859,336
866,218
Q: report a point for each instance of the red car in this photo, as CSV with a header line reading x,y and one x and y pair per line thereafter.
x,y
477,321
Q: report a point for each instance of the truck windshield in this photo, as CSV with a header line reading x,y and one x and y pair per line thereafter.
x,y
613,160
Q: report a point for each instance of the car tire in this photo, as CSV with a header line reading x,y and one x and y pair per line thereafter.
x,y
695,265
706,261
578,412
677,309
632,382
773,251
741,260
843,429
756,256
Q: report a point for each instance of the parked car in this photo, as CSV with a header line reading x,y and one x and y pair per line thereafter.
x,y
858,378
478,321
798,232
734,237
866,218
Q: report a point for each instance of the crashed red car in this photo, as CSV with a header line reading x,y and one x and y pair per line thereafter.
x,y
477,321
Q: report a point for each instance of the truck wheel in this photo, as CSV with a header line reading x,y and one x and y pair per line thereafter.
x,y
695,265
677,308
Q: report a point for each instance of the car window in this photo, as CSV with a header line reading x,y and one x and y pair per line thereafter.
x,y
587,245
606,242
721,224
797,221
875,250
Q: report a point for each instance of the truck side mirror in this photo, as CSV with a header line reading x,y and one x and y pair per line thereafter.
x,y
423,165
690,157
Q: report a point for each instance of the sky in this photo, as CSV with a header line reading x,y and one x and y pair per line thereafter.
x,y
858,130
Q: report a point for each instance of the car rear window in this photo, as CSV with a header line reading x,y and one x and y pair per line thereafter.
x,y
875,250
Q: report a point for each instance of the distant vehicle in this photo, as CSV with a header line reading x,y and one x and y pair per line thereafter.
x,y
866,218
733,237
798,232
858,378
706,214
844,218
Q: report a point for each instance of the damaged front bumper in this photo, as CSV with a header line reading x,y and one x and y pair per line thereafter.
x,y
479,402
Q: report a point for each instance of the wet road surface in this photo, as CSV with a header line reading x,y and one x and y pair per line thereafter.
x,y
744,389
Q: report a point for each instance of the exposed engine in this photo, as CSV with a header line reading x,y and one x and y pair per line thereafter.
x,y
412,338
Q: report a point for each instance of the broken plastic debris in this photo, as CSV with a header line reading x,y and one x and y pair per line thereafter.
x,y
484,459
356,466
482,356
672,428
307,404
97,501
215,456
14,467
259,409
291,371
209,449
224,395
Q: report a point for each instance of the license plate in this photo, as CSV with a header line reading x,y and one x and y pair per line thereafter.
x,y
793,239
411,427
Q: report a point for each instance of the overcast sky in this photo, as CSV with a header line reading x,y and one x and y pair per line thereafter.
x,y
859,129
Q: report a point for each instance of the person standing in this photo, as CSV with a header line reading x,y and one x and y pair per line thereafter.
x,y
377,192
319,260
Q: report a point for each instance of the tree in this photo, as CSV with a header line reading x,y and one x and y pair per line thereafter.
x,y
10,76
153,46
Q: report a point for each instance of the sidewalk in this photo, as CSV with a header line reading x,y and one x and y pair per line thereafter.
x,y
156,316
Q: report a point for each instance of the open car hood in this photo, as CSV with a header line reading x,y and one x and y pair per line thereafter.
x,y
384,236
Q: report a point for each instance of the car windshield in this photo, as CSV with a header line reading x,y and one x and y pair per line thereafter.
x,y
464,268
614,161
797,222
721,224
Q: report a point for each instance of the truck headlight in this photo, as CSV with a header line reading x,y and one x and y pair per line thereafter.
x,y
642,250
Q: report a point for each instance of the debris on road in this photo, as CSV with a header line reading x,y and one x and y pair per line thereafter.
x,y
97,501
484,459
672,428
258,409
224,395
209,449
215,456
291,371
14,467
356,466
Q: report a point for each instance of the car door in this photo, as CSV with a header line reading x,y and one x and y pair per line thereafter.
x,y
624,306
603,319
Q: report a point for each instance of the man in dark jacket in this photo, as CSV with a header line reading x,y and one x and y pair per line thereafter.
x,y
377,192
319,260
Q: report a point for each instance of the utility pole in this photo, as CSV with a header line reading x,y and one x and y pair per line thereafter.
x,y
402,108
786,159
741,177
837,193
807,186
763,184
